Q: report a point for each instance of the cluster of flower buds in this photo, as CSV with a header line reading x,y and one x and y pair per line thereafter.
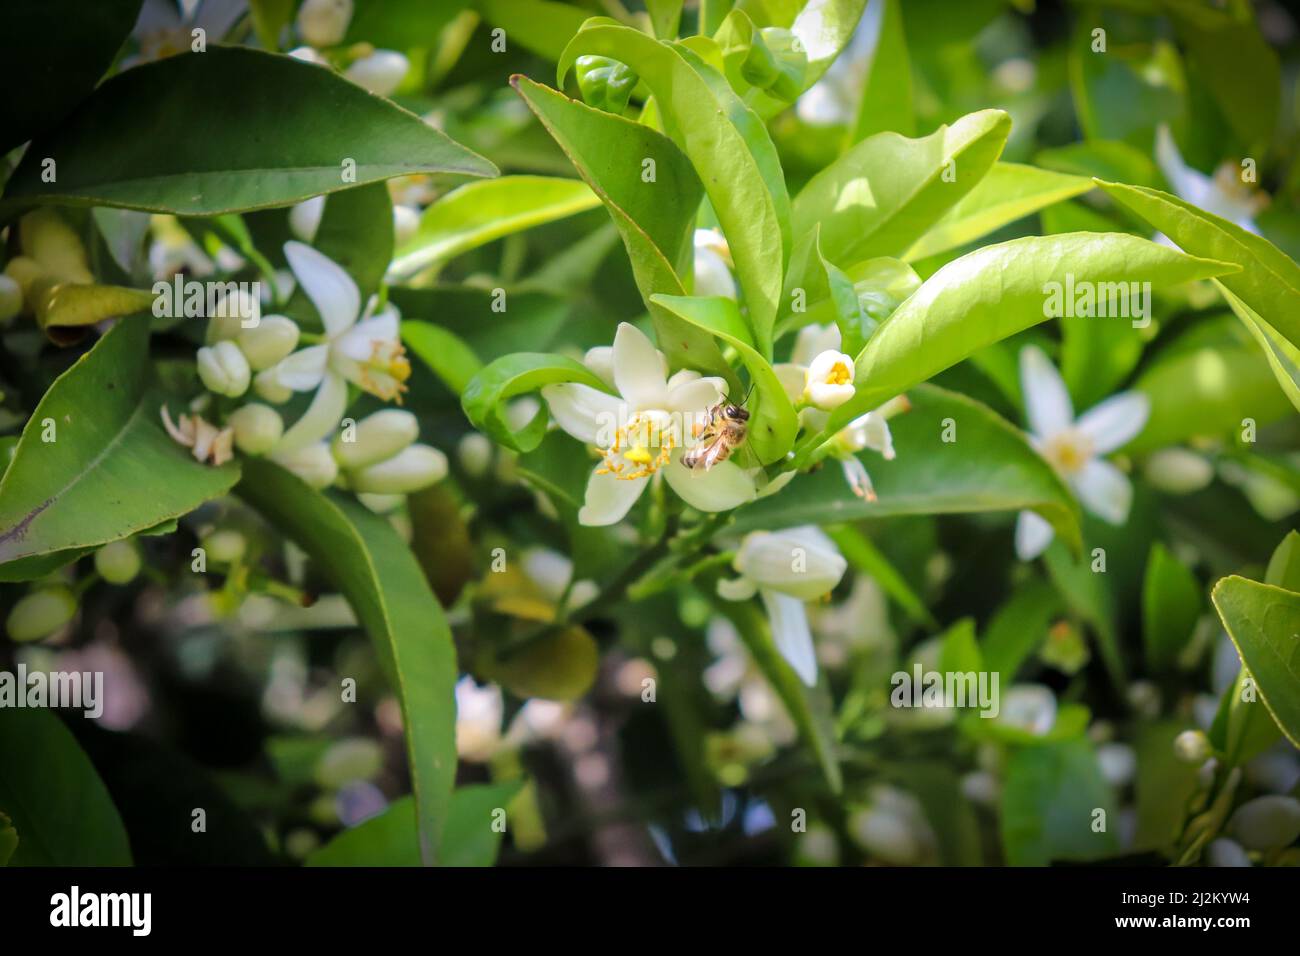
x,y
323,26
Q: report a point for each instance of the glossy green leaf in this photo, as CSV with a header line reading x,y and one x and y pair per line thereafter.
x,y
41,89
1269,281
885,193
990,467
303,130
1283,356
825,293
66,310
477,213
863,555
444,352
510,376
772,419
1264,624
1165,783
665,17
656,219
1087,594
1171,604
1019,628
112,470
1048,803
401,24
541,26
993,293
720,134
886,102
364,557
1009,192
50,791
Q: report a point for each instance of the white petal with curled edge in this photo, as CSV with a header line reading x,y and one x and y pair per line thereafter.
x,y
331,290
320,419
1104,490
357,343
1033,535
724,486
789,621
1047,402
639,369
303,370
1116,421
589,415
609,499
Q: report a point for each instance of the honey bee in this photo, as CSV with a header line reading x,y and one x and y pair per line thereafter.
x,y
722,433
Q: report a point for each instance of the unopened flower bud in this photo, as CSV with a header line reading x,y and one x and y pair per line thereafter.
x,y
406,223
257,428
304,218
409,470
324,23
225,546
1266,823
313,464
381,72
118,562
830,380
381,504
1178,471
375,438
269,388
1192,746
270,340
40,614
475,453
223,369
712,268
11,298
1225,852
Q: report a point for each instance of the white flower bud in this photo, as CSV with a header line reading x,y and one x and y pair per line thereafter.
x,y
406,223
475,454
409,470
377,438
232,314
118,562
381,72
1030,707
269,388
381,504
313,464
40,614
324,23
1118,763
712,274
223,369
304,218
11,298
830,380
270,340
1266,822
802,562
1192,746
1178,471
1225,852
225,546
257,428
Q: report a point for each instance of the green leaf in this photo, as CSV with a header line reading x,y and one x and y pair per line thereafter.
x,y
656,219
49,789
1106,159
821,287
444,352
1264,624
1019,628
1268,282
401,24
772,419
824,29
992,294
886,102
1087,595
41,89
1171,603
477,213
112,470
541,26
720,134
1009,192
1283,356
1048,801
1165,784
665,17
809,708
887,191
363,556
958,649
389,839
990,467
861,552
297,125
514,375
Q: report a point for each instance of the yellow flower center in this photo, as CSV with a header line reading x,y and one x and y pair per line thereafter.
x,y
840,374
385,372
640,448
1068,451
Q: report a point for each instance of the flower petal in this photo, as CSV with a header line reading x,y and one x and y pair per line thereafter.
x,y
724,486
303,370
792,378
357,343
812,340
639,369
1104,490
1047,402
789,621
1033,535
589,415
601,361
321,418
1114,422
609,498
695,395
802,562
331,290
